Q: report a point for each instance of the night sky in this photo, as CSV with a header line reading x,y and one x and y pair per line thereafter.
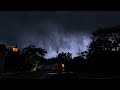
x,y
67,30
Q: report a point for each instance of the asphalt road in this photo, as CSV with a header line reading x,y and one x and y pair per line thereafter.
x,y
26,75
43,75
48,75
62,76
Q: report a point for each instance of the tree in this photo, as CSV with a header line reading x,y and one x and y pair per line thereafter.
x,y
79,63
105,39
33,56
104,48
65,58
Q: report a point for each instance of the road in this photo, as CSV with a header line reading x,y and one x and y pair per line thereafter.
x,y
48,75
26,75
43,75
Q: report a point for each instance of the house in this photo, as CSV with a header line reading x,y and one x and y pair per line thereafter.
x,y
12,47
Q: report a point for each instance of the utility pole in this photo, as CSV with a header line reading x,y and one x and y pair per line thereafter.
x,y
57,50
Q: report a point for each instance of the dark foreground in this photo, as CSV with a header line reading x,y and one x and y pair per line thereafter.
x,y
47,75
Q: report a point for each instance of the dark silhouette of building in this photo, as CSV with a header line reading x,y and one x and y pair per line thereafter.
x,y
12,58
2,58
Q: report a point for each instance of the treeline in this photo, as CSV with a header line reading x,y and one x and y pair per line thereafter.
x,y
102,56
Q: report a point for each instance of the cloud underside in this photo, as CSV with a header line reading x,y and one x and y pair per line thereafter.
x,y
67,30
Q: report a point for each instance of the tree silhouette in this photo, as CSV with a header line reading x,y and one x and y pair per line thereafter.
x,y
65,58
105,39
104,49
33,56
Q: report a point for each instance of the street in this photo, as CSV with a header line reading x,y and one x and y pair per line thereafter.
x,y
43,75
48,75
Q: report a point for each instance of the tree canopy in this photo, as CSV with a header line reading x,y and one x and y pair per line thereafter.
x,y
33,55
105,39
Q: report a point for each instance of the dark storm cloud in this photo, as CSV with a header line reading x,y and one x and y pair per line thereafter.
x,y
67,30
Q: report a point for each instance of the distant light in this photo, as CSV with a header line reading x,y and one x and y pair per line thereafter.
x,y
63,65
34,69
15,49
